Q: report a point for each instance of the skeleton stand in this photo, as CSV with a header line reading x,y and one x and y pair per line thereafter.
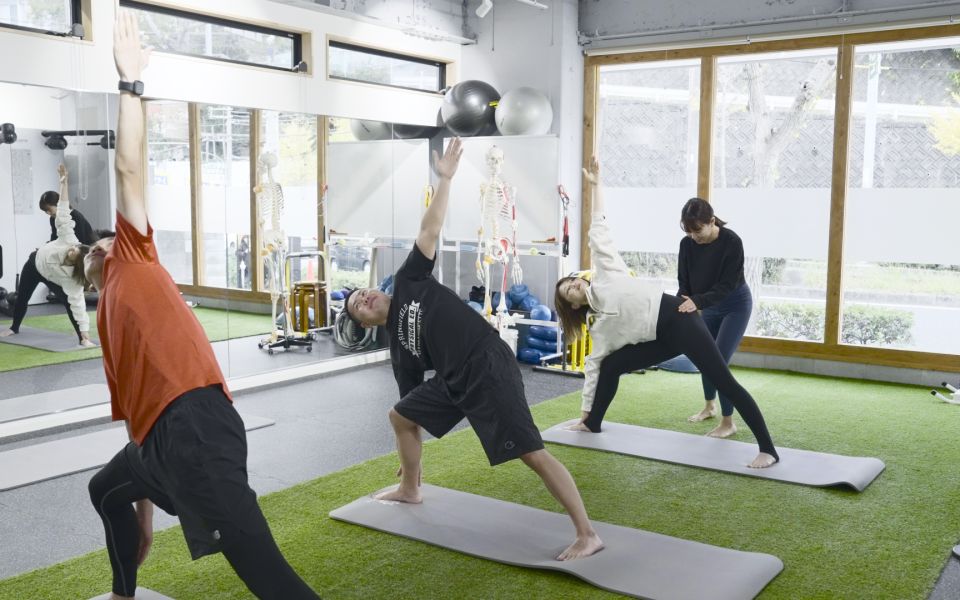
x,y
497,239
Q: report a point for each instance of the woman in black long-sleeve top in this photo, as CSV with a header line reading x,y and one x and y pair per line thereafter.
x,y
710,272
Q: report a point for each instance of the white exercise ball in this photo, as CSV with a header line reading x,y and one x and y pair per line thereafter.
x,y
524,111
370,130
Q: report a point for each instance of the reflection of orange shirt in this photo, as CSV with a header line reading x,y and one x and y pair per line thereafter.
x,y
154,349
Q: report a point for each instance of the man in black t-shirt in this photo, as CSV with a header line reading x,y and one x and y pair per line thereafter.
x,y
476,377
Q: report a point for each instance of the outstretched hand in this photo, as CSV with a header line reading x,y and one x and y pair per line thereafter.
x,y
130,57
688,305
446,167
592,172
62,172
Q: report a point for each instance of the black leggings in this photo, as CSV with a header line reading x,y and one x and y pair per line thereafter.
x,y
30,278
678,333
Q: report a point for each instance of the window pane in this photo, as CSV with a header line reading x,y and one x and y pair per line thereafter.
x,y
649,116
190,35
292,139
901,284
772,165
48,15
225,196
168,186
360,64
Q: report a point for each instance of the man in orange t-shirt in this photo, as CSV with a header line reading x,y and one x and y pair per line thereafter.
x,y
188,453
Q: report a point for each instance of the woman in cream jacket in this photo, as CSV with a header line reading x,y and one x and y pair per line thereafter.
x,y
633,326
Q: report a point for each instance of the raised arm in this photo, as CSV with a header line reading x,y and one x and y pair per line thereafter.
x,y
432,222
604,254
592,175
130,59
63,221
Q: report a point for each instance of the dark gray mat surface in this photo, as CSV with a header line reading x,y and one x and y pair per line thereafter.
x,y
142,594
49,460
34,405
43,339
796,466
634,562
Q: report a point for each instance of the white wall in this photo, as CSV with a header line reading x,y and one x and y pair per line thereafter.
x,y
518,45
88,65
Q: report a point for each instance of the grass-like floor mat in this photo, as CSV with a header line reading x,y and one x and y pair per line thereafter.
x,y
219,325
890,541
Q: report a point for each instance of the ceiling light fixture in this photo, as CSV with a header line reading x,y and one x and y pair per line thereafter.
x,y
486,5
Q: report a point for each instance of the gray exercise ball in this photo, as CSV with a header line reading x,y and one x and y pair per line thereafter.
x,y
524,111
468,108
370,130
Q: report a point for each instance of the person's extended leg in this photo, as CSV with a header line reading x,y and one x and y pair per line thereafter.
x,y
713,320
112,492
410,449
62,298
561,485
735,318
687,334
29,279
625,360
257,560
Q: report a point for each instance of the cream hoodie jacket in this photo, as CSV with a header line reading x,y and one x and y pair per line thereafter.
x,y
623,309
50,259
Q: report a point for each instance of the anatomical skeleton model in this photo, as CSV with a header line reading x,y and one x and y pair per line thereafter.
x,y
497,238
273,241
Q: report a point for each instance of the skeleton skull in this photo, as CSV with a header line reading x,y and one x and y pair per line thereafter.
x,y
494,159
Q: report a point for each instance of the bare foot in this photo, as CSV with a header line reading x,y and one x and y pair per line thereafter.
x,y
401,495
583,546
88,344
723,430
709,411
762,461
7,333
116,597
578,427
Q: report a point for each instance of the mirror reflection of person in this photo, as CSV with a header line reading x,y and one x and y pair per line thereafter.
x,y
477,376
58,264
188,448
633,326
81,227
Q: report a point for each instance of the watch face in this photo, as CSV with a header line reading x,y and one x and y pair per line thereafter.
x,y
138,88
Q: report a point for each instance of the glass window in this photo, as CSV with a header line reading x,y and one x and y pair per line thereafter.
x,y
292,139
648,128
901,281
225,196
168,186
55,16
180,32
772,165
356,63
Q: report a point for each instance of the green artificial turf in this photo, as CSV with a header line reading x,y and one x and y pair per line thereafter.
x,y
219,325
890,541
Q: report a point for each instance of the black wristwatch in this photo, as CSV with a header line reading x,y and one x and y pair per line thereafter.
x,y
134,87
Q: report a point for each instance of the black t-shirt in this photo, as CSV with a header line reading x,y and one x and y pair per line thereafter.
x,y
709,272
81,227
429,326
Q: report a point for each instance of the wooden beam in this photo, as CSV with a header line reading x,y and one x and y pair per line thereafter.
x,y
867,355
196,195
708,81
838,196
256,265
591,86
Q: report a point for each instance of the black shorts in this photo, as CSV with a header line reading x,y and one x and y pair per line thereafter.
x,y
193,464
489,393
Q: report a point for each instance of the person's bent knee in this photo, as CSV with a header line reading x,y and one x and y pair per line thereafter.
x,y
96,491
399,421
536,458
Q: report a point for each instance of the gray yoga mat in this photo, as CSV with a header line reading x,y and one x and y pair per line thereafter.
x,y
141,594
634,562
49,460
956,551
35,405
43,339
796,466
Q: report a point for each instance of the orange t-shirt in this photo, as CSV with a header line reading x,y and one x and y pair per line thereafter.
x,y
154,348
